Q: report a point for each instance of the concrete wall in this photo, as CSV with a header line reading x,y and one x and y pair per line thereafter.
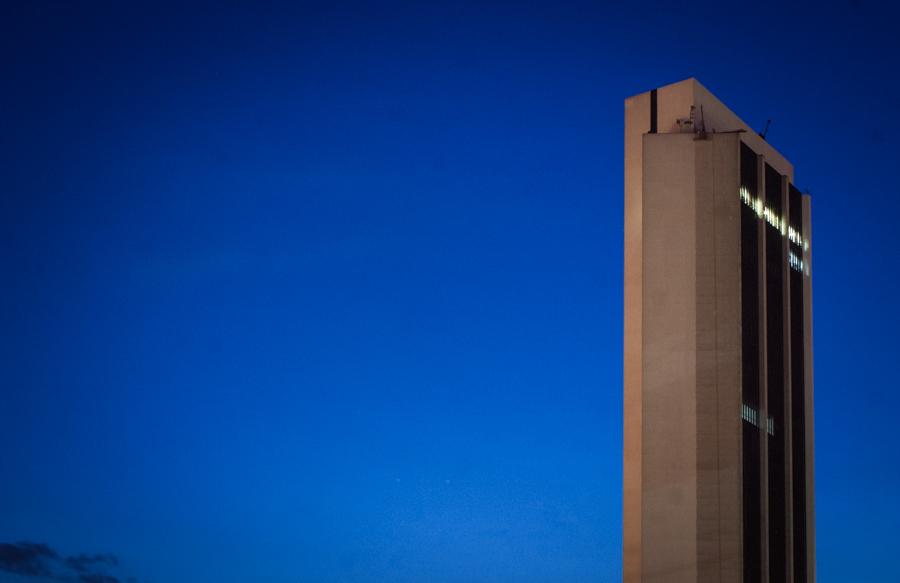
x,y
690,412
808,386
669,436
637,123
718,227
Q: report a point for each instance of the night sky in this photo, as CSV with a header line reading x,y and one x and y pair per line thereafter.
x,y
329,292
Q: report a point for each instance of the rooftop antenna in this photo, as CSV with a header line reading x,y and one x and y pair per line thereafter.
x,y
701,130
763,133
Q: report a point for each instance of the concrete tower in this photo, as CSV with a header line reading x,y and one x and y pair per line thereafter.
x,y
718,443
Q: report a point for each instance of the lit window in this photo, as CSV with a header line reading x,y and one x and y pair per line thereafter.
x,y
751,416
774,220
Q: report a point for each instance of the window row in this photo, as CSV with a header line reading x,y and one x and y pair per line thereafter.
x,y
773,219
751,416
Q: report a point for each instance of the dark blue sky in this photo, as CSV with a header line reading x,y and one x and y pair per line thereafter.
x,y
333,292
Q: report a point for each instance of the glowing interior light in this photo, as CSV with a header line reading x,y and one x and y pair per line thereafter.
x,y
751,416
773,219
796,263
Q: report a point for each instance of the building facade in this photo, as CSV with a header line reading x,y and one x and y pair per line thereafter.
x,y
718,380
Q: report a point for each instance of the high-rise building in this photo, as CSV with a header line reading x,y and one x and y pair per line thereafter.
x,y
718,424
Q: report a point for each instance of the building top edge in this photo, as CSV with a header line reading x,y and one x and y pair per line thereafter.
x,y
689,104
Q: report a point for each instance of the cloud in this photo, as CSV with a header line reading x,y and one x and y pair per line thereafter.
x,y
84,563
38,560
30,559
94,578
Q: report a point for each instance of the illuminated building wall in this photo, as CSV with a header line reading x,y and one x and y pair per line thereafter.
x,y
718,439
